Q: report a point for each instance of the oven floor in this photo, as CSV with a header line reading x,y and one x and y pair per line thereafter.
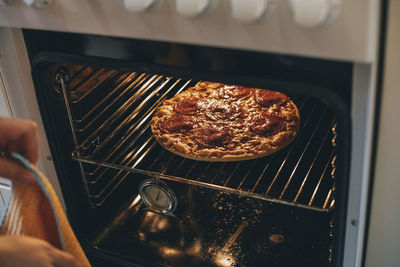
x,y
219,229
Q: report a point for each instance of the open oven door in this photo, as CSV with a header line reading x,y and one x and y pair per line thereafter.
x,y
285,209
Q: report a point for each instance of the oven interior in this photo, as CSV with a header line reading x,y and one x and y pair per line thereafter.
x,y
285,209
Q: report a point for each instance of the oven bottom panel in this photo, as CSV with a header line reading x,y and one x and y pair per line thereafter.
x,y
211,228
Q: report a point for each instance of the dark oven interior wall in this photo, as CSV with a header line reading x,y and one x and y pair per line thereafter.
x,y
336,76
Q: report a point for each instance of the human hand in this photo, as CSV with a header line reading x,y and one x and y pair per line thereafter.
x,y
19,136
21,251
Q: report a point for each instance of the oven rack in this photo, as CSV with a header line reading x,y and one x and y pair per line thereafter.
x,y
110,121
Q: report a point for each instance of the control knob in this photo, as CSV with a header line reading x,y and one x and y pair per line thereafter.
x,y
194,8
38,3
138,6
314,13
251,10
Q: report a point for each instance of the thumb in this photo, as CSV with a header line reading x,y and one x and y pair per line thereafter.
x,y
63,259
15,171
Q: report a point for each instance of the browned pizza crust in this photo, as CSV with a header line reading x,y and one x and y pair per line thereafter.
x,y
218,122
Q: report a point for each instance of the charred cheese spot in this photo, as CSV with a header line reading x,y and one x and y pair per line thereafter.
x,y
176,124
214,136
267,98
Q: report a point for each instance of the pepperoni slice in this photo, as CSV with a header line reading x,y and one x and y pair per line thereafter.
x,y
218,111
214,136
187,106
266,124
235,92
266,98
176,124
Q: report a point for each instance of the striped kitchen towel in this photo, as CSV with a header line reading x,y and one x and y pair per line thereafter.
x,y
36,211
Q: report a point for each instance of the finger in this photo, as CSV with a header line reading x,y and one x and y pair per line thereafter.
x,y
15,171
20,134
63,259
12,147
29,144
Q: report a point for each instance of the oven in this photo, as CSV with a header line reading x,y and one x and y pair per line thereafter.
x,y
95,72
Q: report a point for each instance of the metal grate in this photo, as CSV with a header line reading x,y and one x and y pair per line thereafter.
x,y
111,124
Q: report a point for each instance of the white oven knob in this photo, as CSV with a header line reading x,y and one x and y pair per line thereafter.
x,y
194,8
251,10
38,3
138,6
314,13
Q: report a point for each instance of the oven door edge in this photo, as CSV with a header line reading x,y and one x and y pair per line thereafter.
x,y
16,74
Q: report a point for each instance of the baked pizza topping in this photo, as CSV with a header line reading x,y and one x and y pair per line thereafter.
x,y
218,122
266,124
176,124
235,92
187,106
266,98
219,111
214,136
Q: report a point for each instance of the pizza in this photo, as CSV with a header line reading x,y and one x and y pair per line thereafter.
x,y
218,122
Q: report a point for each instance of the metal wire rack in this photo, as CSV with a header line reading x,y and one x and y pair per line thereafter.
x,y
110,113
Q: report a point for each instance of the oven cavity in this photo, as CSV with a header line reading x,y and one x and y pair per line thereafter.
x,y
109,112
